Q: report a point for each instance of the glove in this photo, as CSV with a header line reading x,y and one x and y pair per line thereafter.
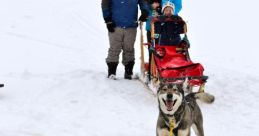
x,y
111,26
143,16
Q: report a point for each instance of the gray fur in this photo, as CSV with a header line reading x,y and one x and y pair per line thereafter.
x,y
188,115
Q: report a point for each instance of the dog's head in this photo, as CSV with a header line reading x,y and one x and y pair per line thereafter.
x,y
170,97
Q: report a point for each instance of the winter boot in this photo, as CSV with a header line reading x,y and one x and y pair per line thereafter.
x,y
112,66
128,70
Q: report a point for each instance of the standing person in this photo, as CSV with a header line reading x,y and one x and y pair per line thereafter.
x,y
120,17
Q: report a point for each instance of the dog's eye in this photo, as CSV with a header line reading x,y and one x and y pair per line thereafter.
x,y
164,88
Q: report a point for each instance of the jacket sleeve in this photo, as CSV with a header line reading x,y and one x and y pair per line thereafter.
x,y
143,4
106,9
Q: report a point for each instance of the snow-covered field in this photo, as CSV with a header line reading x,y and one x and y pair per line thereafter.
x,y
52,56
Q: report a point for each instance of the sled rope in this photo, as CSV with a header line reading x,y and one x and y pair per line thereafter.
x,y
171,128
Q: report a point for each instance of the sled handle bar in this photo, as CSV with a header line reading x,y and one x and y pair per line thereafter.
x,y
203,78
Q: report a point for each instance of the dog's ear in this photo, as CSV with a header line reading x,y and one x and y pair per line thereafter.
x,y
185,85
160,87
180,88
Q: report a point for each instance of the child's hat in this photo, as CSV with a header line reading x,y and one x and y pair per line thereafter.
x,y
168,4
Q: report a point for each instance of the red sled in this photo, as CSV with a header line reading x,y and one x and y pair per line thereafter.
x,y
169,56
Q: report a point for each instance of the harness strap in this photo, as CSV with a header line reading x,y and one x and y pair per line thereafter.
x,y
171,127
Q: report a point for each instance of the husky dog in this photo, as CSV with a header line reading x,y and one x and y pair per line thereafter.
x,y
180,111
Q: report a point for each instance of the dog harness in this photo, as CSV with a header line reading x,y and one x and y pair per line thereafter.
x,y
171,123
171,127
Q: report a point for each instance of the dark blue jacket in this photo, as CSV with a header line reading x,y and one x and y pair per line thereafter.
x,y
124,13
168,32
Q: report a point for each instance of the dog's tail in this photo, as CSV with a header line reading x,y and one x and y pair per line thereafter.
x,y
204,97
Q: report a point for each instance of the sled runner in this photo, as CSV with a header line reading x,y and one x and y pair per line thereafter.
x,y
170,60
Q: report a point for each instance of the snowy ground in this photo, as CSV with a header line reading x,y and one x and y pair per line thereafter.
x,y
52,63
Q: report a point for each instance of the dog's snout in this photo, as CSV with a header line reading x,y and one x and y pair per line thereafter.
x,y
169,96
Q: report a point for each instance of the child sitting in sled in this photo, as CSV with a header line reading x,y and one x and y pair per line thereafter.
x,y
168,32
167,29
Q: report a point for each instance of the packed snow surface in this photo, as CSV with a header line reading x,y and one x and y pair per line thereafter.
x,y
52,56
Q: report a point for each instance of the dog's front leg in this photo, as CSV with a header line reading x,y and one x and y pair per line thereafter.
x,y
184,132
163,132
